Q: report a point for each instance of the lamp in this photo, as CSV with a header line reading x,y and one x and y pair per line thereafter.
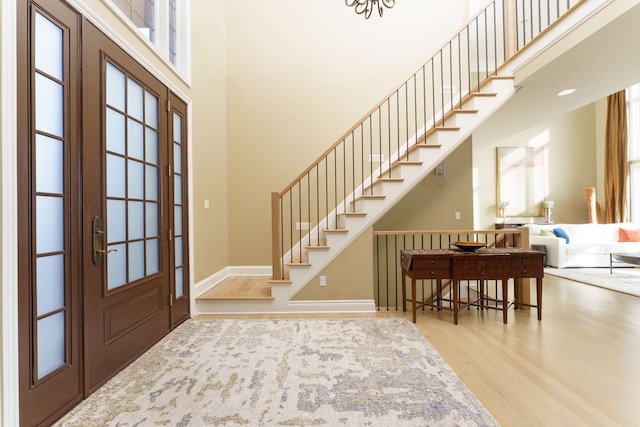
x,y
548,206
366,6
503,207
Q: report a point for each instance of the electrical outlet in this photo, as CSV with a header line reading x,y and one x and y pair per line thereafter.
x,y
323,280
302,225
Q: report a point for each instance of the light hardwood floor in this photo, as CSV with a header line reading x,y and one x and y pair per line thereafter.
x,y
580,366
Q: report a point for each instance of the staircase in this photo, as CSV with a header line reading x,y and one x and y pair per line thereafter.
x,y
377,162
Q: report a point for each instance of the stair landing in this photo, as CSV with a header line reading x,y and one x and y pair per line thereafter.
x,y
240,288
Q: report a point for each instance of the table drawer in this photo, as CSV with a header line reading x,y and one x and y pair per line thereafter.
x,y
483,274
527,261
481,263
524,272
431,263
432,273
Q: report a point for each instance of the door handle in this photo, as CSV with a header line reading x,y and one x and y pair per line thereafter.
x,y
105,251
99,252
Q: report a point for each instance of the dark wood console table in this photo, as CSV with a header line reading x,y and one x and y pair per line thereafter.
x,y
484,264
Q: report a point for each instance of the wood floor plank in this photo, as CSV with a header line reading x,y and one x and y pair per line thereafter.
x,y
579,366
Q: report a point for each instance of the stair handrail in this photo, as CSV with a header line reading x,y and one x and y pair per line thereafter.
x,y
514,36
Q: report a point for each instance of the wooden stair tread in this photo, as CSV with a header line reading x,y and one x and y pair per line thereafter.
x,y
372,196
484,94
314,247
353,213
465,111
240,288
279,281
409,162
336,230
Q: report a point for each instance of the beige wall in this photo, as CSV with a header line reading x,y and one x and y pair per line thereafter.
x,y
349,277
209,138
300,74
572,164
431,206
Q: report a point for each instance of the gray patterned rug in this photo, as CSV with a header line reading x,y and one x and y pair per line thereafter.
x,y
625,280
311,372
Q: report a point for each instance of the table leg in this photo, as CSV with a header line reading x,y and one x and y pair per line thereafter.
x,y
539,296
505,302
610,263
404,291
456,286
413,298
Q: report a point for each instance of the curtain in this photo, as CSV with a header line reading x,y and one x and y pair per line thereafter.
x,y
616,167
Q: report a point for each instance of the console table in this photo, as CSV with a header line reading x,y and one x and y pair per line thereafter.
x,y
484,264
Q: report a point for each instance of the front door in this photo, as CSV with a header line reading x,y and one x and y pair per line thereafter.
x,y
125,195
103,265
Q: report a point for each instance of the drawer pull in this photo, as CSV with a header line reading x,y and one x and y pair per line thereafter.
x,y
433,262
482,264
524,261
482,274
433,273
525,273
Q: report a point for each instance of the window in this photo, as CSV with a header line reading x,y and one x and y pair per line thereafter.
x,y
163,23
633,117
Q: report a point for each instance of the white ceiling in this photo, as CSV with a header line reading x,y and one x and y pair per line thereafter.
x,y
602,63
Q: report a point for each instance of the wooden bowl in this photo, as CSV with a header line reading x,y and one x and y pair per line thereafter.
x,y
469,246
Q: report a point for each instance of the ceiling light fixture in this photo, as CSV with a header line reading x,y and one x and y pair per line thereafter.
x,y
566,92
366,6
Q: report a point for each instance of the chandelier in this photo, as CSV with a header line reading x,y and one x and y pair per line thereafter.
x,y
366,6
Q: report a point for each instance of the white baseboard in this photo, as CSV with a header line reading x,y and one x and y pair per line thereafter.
x,y
333,306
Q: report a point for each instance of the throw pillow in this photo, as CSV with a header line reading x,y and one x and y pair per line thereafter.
x,y
545,232
561,233
629,235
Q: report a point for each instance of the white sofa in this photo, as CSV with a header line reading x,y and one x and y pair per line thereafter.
x,y
589,244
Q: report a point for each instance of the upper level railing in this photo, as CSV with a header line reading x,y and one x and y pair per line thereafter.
x,y
345,173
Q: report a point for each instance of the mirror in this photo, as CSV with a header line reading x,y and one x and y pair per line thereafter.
x,y
521,181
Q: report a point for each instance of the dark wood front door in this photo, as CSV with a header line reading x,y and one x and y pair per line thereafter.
x,y
125,195
103,251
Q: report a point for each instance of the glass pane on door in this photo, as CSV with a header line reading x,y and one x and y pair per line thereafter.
x,y
132,179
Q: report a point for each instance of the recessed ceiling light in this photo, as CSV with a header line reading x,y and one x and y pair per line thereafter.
x,y
566,92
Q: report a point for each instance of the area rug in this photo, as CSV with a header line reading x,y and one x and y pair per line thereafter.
x,y
311,372
625,280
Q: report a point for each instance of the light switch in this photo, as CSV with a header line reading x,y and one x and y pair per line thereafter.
x,y
457,215
206,204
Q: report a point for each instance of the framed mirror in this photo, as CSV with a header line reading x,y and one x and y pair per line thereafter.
x,y
521,181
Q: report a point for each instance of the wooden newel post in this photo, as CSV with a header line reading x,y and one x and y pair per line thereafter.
x,y
276,232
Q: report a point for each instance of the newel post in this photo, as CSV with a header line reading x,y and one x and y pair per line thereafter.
x,y
276,232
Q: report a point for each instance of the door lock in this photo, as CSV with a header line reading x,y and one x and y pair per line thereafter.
x,y
98,240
